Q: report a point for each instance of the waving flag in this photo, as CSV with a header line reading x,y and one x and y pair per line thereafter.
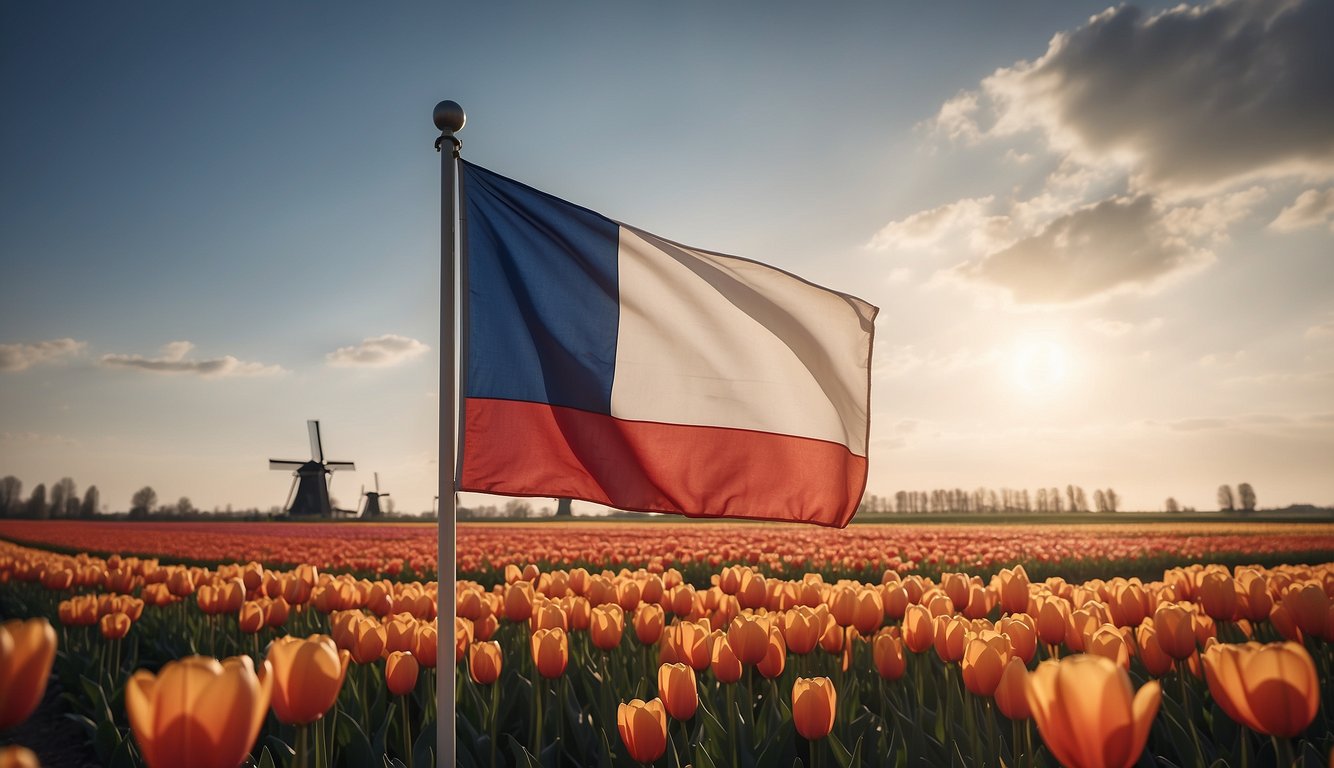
x,y
607,364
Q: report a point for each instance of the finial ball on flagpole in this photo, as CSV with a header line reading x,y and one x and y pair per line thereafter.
x,y
448,116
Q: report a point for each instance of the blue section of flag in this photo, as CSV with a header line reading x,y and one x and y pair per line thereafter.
x,y
543,304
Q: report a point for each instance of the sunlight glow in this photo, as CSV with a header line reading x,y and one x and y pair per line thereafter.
x,y
1040,365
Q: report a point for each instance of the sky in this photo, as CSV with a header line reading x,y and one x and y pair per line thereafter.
x,y
1101,238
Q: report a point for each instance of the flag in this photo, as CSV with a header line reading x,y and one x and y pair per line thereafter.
x,y
607,364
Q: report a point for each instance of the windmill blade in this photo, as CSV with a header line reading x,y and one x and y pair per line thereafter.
x,y
381,494
363,491
344,465
290,492
377,482
285,464
316,448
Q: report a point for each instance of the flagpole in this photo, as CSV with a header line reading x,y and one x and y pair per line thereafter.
x,y
449,118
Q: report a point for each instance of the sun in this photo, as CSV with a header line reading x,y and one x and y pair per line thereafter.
x,y
1040,365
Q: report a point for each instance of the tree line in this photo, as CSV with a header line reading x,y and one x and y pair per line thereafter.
x,y
1053,500
61,500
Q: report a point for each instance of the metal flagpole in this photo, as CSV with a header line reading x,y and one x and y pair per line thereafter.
x,y
449,118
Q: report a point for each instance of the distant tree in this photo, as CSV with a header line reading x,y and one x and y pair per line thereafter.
x,y
1246,497
11,496
37,508
1113,501
184,506
1100,500
1225,500
1070,495
142,502
61,492
1081,503
1054,498
901,502
388,506
565,508
518,509
91,499
1172,506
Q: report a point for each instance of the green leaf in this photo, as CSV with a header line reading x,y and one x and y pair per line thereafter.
x,y
266,759
522,757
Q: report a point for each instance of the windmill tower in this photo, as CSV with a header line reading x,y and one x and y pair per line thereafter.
x,y
372,508
309,495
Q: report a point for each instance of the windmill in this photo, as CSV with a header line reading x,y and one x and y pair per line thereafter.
x,y
372,508
309,495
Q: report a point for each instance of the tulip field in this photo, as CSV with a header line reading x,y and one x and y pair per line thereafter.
x,y
673,644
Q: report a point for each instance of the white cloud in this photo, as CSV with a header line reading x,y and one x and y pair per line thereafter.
x,y
1312,208
377,352
1324,330
1188,99
927,229
172,360
17,357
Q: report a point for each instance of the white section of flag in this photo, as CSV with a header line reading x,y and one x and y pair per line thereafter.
x,y
712,340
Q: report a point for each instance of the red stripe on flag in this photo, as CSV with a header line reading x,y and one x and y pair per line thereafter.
x,y
533,449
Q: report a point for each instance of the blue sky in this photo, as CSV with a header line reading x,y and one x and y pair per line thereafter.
x,y
258,180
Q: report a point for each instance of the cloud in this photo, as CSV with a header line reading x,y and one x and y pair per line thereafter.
x,y
1118,328
905,359
1312,208
377,352
1115,245
1322,330
17,357
927,229
172,360
1186,100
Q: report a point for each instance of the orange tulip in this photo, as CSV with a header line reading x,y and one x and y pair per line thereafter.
x,y
649,621
1087,713
950,637
802,627
692,644
462,638
519,601
114,626
197,712
919,633
813,702
1218,595
1151,654
27,650
426,644
868,611
643,727
251,619
607,626
887,652
724,663
18,757
276,612
400,673
984,660
1014,590
1023,638
676,689
484,661
749,637
1271,689
1108,642
1176,632
832,641
1011,693
1309,606
1051,620
307,676
551,652
775,656
368,640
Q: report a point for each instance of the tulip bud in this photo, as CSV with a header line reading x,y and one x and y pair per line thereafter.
x,y
775,656
887,651
723,662
676,689
114,626
27,650
307,676
643,727
18,757
1271,689
1011,693
400,673
550,652
607,626
1079,735
813,702
484,661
